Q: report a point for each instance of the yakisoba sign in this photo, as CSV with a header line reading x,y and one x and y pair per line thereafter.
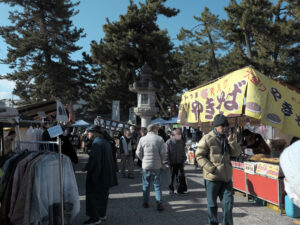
x,y
244,92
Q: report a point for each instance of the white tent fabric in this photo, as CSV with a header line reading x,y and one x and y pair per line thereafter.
x,y
80,123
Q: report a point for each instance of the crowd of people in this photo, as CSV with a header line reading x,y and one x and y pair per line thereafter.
x,y
154,149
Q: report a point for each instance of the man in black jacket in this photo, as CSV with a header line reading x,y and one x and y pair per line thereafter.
x,y
101,175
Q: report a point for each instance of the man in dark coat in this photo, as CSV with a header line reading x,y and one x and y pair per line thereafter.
x,y
101,175
175,159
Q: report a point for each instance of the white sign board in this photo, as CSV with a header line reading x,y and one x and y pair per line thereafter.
x,y
116,110
61,114
55,131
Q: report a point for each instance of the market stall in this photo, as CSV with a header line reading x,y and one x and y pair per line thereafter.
x,y
246,96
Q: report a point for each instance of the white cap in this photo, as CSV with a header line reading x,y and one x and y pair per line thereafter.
x,y
290,164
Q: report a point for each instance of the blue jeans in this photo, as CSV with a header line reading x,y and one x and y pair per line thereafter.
x,y
148,175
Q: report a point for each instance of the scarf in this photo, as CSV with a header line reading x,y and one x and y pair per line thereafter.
x,y
224,142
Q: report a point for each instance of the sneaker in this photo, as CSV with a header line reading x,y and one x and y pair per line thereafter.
x,y
160,207
146,205
92,221
104,218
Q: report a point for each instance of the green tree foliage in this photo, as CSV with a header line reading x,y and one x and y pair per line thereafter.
x,y
268,33
260,33
127,45
40,42
199,52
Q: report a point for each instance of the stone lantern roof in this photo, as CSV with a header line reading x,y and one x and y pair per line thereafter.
x,y
145,83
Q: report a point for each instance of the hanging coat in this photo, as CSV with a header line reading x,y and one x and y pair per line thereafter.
x,y
101,175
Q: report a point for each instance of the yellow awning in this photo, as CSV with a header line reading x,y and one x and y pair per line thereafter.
x,y
244,92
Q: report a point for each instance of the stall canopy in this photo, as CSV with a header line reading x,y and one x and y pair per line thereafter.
x,y
173,120
80,123
244,92
158,121
8,115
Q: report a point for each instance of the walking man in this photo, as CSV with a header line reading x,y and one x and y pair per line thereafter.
x,y
213,155
101,175
175,161
126,154
151,150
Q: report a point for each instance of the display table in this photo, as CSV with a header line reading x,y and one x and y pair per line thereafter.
x,y
262,187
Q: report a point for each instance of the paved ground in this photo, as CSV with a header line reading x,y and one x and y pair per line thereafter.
x,y
125,208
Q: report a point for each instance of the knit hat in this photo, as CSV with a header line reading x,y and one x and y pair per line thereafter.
x,y
220,120
290,164
94,128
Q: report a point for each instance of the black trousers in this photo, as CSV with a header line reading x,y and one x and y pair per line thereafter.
x,y
176,169
96,203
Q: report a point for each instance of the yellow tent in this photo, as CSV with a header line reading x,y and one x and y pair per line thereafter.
x,y
244,92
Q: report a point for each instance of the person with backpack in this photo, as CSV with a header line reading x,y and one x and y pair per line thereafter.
x,y
175,159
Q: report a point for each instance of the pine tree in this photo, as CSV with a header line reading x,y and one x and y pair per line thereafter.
x,y
40,42
267,33
127,45
200,50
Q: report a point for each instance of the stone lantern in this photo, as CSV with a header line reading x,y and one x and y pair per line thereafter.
x,y
145,89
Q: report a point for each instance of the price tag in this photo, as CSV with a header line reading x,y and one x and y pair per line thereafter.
x,y
55,131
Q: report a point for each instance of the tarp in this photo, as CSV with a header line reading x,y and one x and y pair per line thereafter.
x,y
244,92
80,123
173,120
158,121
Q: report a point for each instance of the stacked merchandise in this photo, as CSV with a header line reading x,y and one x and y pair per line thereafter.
x,y
30,189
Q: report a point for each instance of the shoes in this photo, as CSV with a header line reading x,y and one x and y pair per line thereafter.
x,y
160,207
146,205
92,221
171,190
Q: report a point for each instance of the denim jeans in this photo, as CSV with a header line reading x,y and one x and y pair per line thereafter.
x,y
148,175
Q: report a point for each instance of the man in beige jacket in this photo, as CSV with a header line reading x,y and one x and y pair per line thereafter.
x,y
213,155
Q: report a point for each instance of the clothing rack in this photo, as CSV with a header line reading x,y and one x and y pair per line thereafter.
x,y
59,143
